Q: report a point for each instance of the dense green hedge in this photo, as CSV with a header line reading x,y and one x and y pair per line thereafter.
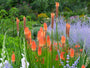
x,y
26,7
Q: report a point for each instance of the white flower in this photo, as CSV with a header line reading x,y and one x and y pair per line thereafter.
x,y
24,62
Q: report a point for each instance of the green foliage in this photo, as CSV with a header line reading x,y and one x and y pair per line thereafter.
x,y
35,31
13,12
12,44
5,4
67,9
88,7
21,17
28,18
40,5
24,9
68,14
33,16
8,24
3,13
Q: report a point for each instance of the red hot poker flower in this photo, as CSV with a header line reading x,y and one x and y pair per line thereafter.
x,y
63,39
13,57
17,21
33,46
76,46
38,35
56,58
83,66
71,53
48,41
62,55
81,50
57,5
45,26
67,29
41,29
41,42
52,20
26,30
29,35
39,51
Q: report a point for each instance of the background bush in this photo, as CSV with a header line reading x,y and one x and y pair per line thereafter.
x,y
88,7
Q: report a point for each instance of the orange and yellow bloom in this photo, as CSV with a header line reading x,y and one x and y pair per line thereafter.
x,y
71,53
33,47
13,57
67,29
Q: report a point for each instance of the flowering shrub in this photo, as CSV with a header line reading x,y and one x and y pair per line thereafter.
x,y
42,16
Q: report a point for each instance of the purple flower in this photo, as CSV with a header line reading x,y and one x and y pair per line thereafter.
x,y
79,31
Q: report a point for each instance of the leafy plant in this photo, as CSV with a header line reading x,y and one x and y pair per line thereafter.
x,y
88,7
24,9
3,13
33,16
13,12
41,17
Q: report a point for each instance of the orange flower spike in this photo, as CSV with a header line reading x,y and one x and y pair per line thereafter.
x,y
41,42
81,50
67,29
33,46
83,66
56,58
60,45
24,19
44,34
13,57
29,35
39,51
38,35
72,53
52,20
63,39
57,5
26,30
17,21
62,55
76,46
44,40
48,41
45,26
41,29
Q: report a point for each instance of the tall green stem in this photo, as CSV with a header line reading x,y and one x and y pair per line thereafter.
x,y
52,45
57,31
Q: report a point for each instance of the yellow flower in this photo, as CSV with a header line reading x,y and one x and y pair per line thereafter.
x,y
42,15
82,15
